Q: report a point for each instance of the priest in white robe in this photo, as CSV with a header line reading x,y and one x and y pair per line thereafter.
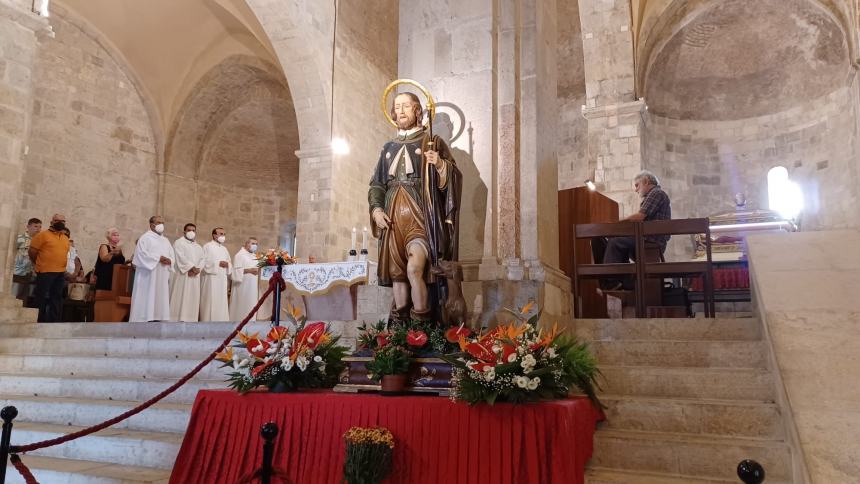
x,y
213,286
153,262
185,289
245,291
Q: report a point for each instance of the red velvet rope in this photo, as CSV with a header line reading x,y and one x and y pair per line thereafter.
x,y
277,280
23,470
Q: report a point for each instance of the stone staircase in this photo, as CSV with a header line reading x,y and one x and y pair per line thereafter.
x,y
687,400
66,376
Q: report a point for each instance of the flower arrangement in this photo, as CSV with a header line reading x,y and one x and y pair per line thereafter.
x,y
273,257
520,363
368,455
422,339
305,355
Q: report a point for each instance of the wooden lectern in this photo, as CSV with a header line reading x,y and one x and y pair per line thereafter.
x,y
114,306
583,206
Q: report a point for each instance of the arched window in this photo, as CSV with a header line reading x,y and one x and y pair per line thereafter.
x,y
784,196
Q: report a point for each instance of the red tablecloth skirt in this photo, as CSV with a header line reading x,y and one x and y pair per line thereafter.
x,y
436,440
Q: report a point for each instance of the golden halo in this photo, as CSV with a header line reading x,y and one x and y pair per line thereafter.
x,y
431,104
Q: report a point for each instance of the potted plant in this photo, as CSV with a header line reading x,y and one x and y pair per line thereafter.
x,y
389,365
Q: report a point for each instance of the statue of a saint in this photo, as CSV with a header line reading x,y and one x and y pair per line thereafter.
x,y
414,200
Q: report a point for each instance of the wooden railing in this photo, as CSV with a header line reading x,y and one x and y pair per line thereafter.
x,y
649,261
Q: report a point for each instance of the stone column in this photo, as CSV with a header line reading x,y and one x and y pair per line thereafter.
x,y
614,114
18,42
314,220
524,263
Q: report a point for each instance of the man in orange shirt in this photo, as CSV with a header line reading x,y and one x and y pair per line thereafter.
x,y
49,251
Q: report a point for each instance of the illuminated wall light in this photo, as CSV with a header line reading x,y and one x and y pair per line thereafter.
x,y
339,146
590,184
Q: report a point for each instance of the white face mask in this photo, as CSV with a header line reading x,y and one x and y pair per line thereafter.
x,y
159,229
253,248
190,235
221,239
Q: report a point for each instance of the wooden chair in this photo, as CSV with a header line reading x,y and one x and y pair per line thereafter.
x,y
650,269
114,306
600,271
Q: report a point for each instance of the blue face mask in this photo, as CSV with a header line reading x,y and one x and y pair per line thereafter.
x,y
253,248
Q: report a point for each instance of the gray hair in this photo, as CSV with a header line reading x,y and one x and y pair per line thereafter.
x,y
652,178
110,231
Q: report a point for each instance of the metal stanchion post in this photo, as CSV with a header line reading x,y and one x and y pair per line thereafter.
x,y
268,432
7,414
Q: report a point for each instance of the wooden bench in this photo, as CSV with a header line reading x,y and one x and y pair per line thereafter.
x,y
114,306
650,265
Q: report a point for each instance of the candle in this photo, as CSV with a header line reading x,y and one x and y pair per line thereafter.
x,y
364,239
353,238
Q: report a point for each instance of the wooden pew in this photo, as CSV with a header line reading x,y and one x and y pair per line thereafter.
x,y
114,306
582,272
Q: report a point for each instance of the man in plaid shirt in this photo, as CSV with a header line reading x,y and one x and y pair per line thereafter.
x,y
655,205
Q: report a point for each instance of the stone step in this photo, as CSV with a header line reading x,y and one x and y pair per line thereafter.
x,y
693,383
725,354
122,389
112,367
705,457
161,417
689,329
196,348
707,417
111,446
597,475
128,330
49,470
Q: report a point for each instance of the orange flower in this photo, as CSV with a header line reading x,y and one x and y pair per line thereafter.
x,y
278,333
527,307
244,338
226,355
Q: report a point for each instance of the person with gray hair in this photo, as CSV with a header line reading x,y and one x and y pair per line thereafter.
x,y
110,254
245,285
654,205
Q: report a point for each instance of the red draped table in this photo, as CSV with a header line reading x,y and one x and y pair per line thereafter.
x,y
436,440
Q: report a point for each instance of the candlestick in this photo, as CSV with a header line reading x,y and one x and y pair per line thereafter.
x,y
353,239
364,239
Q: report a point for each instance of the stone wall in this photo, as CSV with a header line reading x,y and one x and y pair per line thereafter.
x,y
18,46
92,153
572,126
454,60
365,62
702,164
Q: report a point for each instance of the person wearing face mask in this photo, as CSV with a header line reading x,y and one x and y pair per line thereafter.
x,y
153,262
216,267
245,286
110,254
49,251
185,292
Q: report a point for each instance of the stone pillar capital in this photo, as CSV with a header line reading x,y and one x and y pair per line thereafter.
x,y
324,152
616,109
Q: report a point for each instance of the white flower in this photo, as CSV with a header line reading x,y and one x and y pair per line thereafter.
x,y
512,357
527,370
551,352
317,358
257,348
497,349
521,350
489,373
533,383
528,361
271,350
236,357
302,363
244,362
522,381
287,364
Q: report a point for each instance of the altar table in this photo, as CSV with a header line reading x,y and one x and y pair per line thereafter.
x,y
436,440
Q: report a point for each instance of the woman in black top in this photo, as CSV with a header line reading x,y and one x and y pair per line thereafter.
x,y
110,254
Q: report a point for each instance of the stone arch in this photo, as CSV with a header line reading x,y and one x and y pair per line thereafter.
x,y
301,35
697,20
230,158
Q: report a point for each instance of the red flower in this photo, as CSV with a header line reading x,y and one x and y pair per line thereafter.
x,y
507,350
416,338
453,334
257,347
310,335
260,369
481,353
382,339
